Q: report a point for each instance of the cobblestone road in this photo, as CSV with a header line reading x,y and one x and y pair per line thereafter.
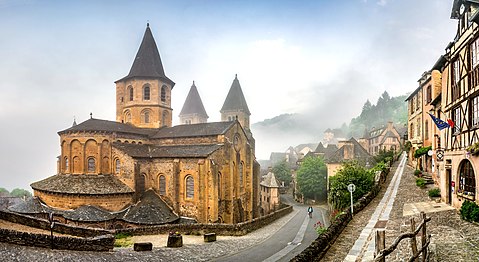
x,y
452,238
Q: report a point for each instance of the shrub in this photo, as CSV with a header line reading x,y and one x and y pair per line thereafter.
x,y
417,172
420,182
320,229
435,192
470,211
421,151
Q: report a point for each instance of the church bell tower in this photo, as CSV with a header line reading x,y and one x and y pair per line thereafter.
x,y
143,97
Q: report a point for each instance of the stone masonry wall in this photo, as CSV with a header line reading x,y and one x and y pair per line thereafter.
x,y
220,229
45,224
100,243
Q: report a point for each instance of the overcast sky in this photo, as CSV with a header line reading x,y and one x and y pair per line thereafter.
x,y
59,59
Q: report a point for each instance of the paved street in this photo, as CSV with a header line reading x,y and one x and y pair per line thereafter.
x,y
297,234
259,245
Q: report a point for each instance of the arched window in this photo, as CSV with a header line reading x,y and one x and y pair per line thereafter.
x,y
163,94
145,116
127,117
190,187
91,165
162,185
467,180
163,118
241,176
117,166
66,165
140,183
146,92
130,93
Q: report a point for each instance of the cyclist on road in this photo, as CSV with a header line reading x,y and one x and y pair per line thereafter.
x,y
310,211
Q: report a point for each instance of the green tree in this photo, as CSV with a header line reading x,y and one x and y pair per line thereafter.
x,y
282,172
311,178
3,190
350,173
18,192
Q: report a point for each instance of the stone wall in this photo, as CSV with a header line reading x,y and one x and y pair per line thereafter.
x,y
45,224
100,243
220,229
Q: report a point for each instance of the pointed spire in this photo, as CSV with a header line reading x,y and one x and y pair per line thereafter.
x,y
147,61
193,103
235,100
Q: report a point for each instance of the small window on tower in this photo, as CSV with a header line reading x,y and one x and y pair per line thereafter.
x,y
146,93
130,93
163,94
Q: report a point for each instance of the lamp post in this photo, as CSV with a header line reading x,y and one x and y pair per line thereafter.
x,y
351,189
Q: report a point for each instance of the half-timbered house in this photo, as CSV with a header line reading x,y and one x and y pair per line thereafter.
x,y
460,102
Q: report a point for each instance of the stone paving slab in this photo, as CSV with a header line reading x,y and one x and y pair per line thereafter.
x,y
411,209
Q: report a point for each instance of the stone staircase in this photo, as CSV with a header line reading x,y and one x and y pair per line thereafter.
x,y
427,178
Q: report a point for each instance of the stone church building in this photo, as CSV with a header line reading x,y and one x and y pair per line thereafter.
x,y
204,171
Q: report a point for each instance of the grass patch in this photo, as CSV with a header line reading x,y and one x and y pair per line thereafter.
x,y
123,240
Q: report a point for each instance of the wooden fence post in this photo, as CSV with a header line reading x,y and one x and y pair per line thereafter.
x,y
380,242
423,237
413,239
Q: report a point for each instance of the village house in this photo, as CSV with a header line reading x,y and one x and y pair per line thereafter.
x,y
450,93
385,138
460,103
270,200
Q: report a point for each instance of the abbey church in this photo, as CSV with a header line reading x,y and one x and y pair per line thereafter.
x,y
142,170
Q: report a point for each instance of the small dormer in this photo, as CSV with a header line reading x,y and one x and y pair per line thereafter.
x,y
466,12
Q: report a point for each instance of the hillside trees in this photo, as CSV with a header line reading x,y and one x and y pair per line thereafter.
x,y
282,171
311,178
18,192
386,109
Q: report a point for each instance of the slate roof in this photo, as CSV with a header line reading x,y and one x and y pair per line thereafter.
x,y
270,180
235,100
320,148
193,103
6,201
32,205
147,61
153,151
331,148
89,213
93,124
388,134
194,130
151,209
359,153
82,184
